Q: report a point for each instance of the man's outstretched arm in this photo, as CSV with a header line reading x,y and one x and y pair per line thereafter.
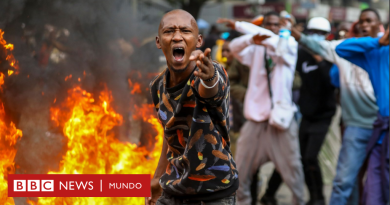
x,y
354,50
238,45
206,72
353,47
325,49
245,27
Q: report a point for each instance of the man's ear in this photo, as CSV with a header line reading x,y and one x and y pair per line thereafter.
x,y
200,41
158,42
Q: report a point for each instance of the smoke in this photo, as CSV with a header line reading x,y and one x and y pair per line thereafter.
x,y
101,42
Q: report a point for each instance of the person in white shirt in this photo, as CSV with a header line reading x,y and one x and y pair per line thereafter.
x,y
259,141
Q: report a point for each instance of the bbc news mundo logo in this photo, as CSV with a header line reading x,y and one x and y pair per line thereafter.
x,y
78,185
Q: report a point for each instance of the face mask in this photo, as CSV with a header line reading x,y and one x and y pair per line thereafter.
x,y
317,37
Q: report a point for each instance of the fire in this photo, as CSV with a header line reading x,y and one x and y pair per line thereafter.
x,y
9,57
68,77
9,136
1,81
93,147
136,87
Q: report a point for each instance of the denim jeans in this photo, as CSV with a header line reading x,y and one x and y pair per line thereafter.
x,y
351,158
170,200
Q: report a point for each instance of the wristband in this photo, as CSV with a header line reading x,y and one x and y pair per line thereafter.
x,y
210,87
215,74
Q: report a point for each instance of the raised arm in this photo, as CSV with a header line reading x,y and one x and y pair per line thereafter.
x,y
325,49
354,49
237,47
245,27
249,28
355,46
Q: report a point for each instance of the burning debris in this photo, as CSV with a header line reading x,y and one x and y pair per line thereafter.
x,y
92,147
10,59
9,134
78,105
89,125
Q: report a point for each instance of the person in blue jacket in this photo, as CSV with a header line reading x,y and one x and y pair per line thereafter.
x,y
372,54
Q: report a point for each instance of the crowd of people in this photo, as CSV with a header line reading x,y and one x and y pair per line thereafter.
x,y
277,120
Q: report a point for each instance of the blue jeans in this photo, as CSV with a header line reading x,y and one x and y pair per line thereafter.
x,y
351,158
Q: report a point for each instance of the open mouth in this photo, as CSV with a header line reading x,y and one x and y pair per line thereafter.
x,y
178,53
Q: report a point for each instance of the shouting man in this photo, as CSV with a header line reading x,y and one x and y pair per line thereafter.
x,y
191,98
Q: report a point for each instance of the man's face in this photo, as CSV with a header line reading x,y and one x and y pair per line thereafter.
x,y
369,24
178,37
226,53
272,23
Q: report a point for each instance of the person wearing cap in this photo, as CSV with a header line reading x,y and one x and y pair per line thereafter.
x,y
358,104
317,105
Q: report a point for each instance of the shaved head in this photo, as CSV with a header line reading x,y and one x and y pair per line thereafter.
x,y
178,13
178,36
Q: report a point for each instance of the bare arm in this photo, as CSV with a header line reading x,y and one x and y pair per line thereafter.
x,y
160,170
163,162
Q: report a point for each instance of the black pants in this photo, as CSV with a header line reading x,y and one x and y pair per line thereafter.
x,y
254,188
311,136
238,115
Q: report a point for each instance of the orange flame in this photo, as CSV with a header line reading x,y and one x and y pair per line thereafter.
x,y
93,149
68,77
1,81
9,136
10,58
136,87
92,145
